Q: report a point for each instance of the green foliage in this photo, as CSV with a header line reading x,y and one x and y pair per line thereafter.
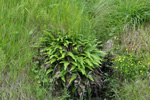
x,y
69,60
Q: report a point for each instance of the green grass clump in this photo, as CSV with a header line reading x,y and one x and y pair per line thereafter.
x,y
131,12
116,15
134,90
71,17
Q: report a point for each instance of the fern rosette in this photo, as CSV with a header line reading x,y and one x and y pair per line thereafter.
x,y
70,60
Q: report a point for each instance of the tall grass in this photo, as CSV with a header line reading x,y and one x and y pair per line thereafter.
x,y
21,25
71,18
116,15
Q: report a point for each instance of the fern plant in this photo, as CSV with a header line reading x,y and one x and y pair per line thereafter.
x,y
70,63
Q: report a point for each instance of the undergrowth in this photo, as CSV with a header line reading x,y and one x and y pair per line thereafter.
x,y
121,25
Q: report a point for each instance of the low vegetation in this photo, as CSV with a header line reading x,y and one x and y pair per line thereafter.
x,y
74,49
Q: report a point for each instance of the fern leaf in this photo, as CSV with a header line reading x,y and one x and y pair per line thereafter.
x,y
73,77
66,63
49,71
71,55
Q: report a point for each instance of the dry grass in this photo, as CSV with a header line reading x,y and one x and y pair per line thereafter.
x,y
136,40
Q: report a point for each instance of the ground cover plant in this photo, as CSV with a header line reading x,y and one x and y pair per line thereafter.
x,y
129,66
121,25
